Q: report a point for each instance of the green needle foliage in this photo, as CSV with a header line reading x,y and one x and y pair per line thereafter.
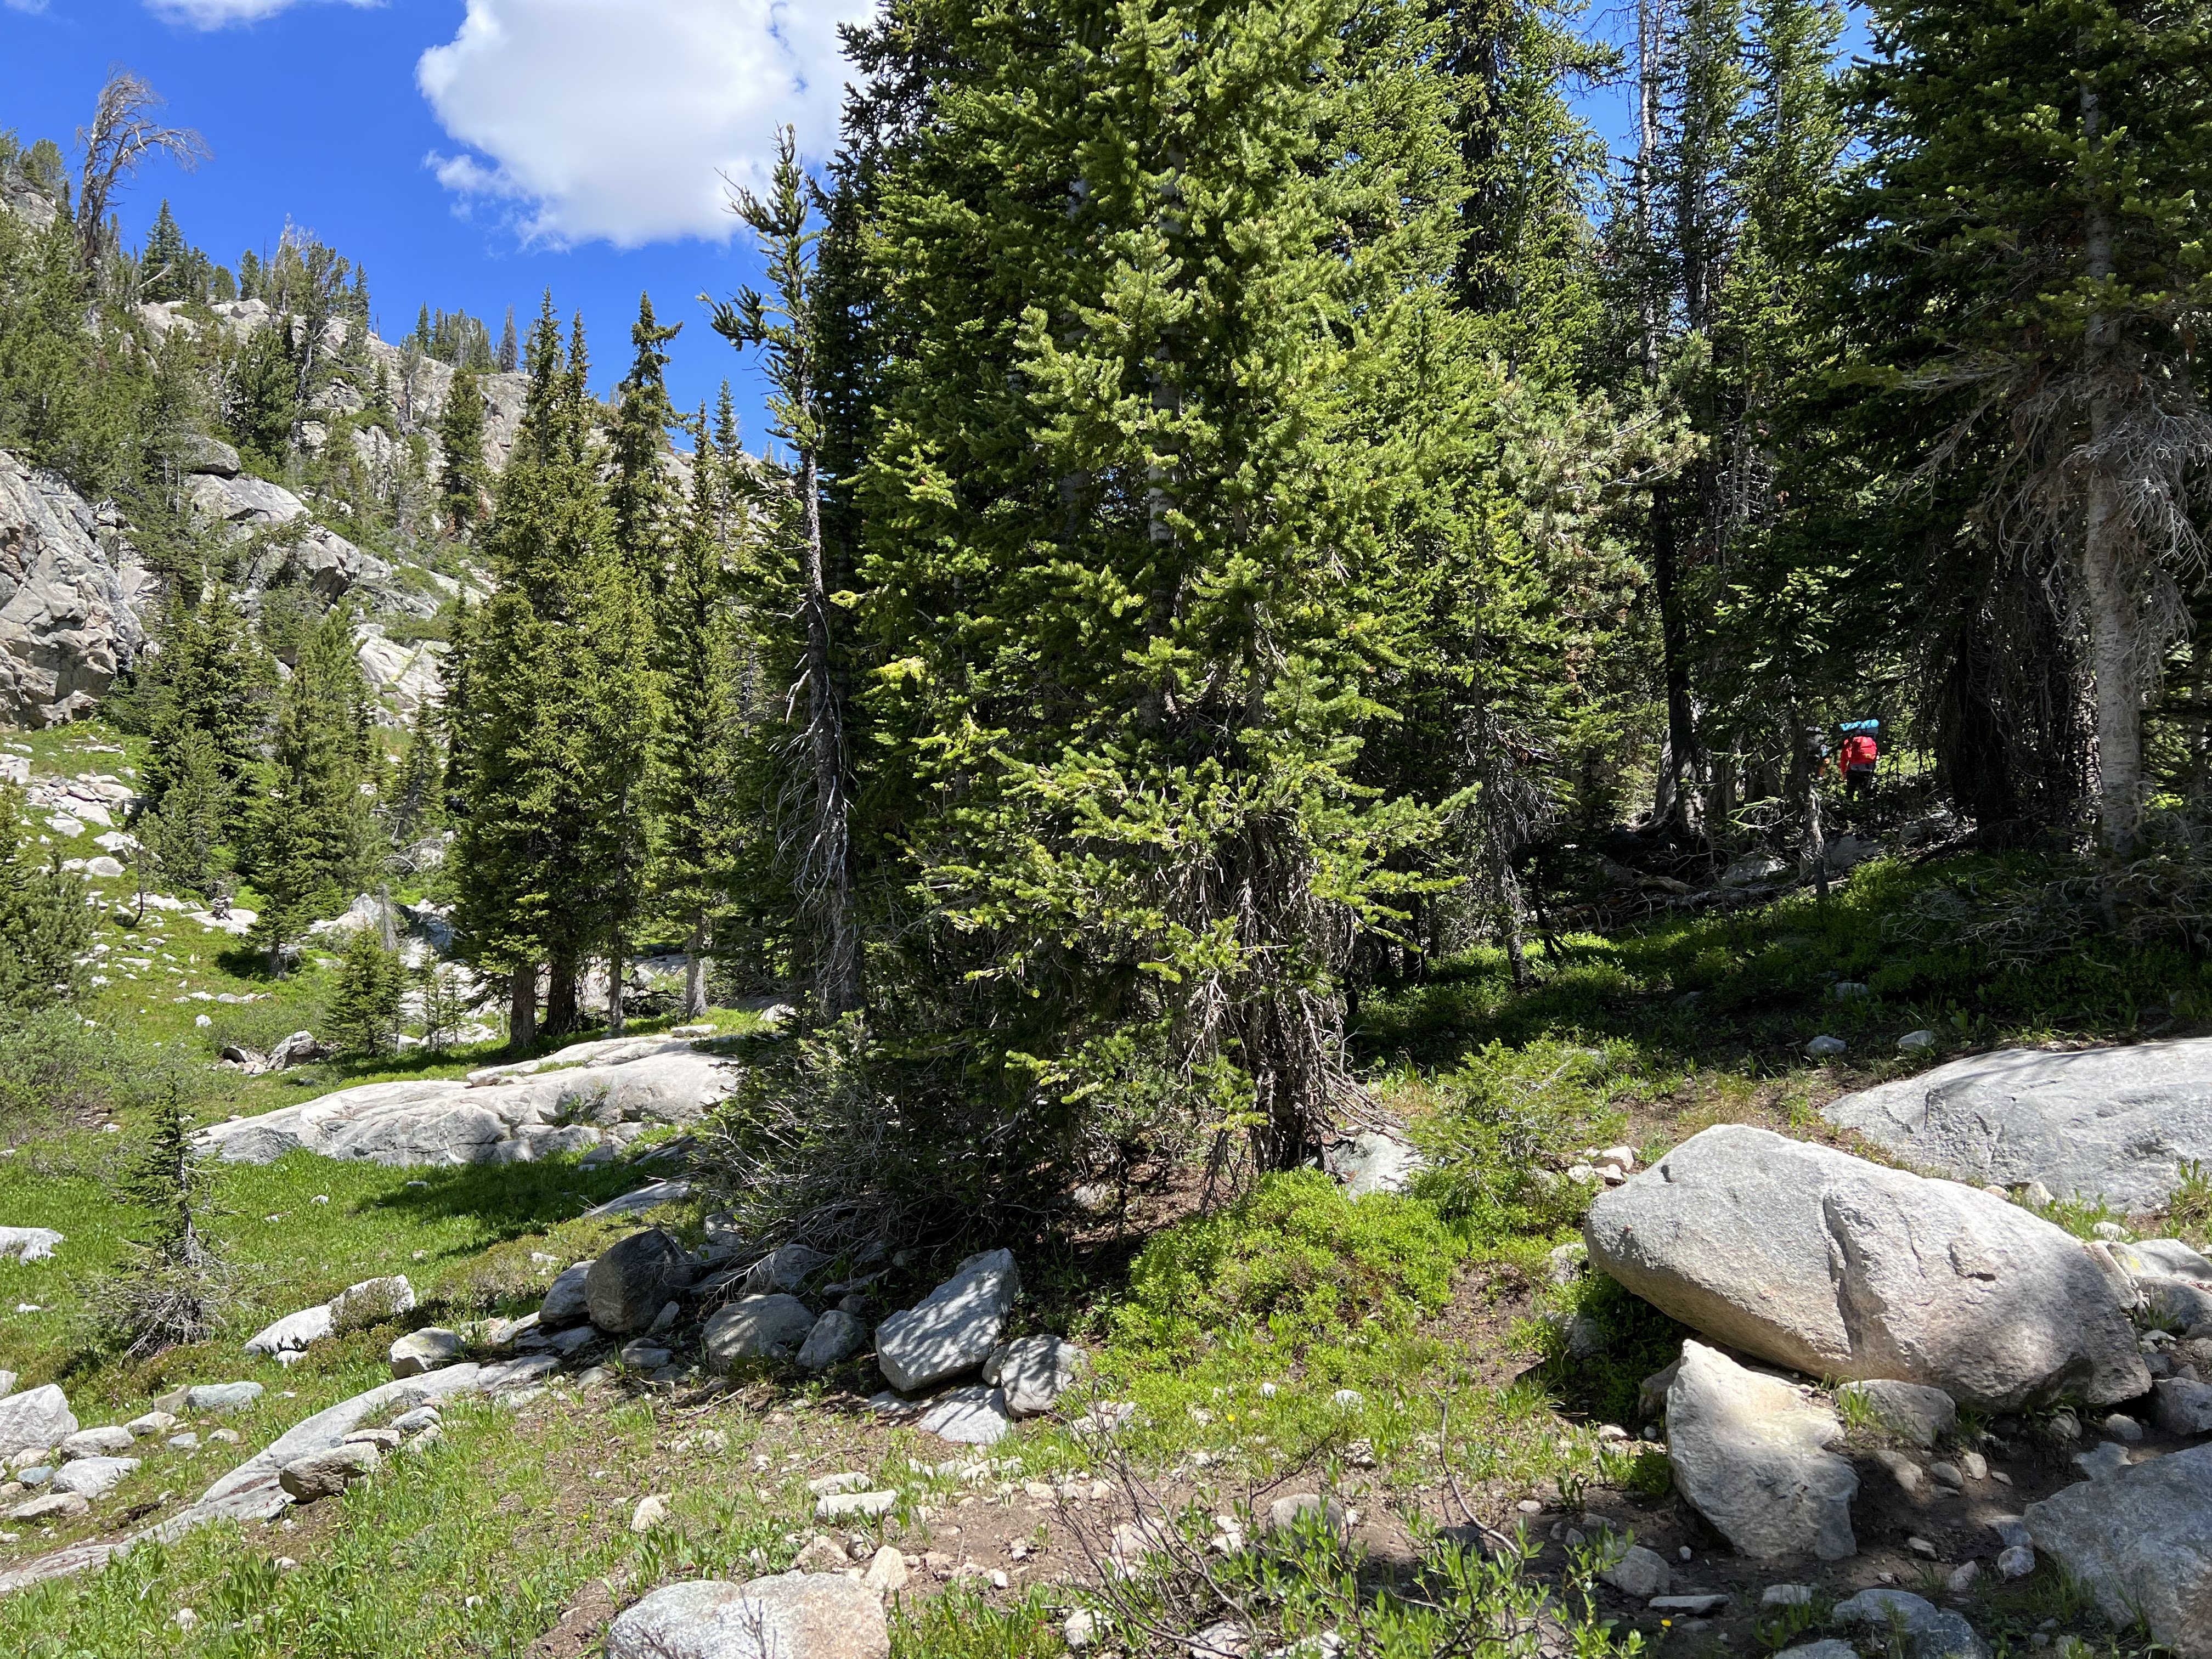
x,y
45,925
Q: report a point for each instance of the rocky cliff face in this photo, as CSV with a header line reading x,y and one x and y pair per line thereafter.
x,y
72,595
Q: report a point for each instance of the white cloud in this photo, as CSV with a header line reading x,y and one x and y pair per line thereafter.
x,y
614,119
216,14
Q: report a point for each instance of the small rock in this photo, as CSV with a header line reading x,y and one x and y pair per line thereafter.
x,y
1639,1572
94,1477
1930,1632
1916,1042
51,1507
414,1422
1036,1370
757,1328
2183,1406
840,1505
1947,1475
651,1511
1962,1578
844,1480
326,1474
1973,1466
1849,990
384,1440
835,1337
424,1351
953,1328
1921,1546
564,1302
1299,1509
2122,1427
96,1443
153,1423
1079,1630
1751,1455
792,1615
975,1415
221,1396
2102,1461
1912,1480
1830,1649
2016,1561
36,1417
1909,1410
1824,1047
1345,1399
644,1355
886,1574
627,1286
1696,1606
1786,1595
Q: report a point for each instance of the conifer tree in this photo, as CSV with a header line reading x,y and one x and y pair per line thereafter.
x,y
183,836
560,711
211,678
414,804
460,440
313,839
509,356
45,923
364,1007
640,496
164,263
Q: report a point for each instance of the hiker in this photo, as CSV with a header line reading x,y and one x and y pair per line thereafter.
x,y
1861,753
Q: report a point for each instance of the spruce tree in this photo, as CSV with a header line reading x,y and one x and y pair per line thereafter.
x,y
509,357
183,836
415,804
164,262
364,1006
640,496
45,925
312,841
460,440
211,678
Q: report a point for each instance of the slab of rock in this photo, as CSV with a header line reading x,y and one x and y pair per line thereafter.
x,y
565,1303
1922,1415
93,1477
424,1351
2179,1305
1838,1268
2141,1542
2183,1408
36,1417
651,1196
51,1506
757,1328
972,1416
27,1243
221,1396
953,1328
835,1336
1372,1162
1750,1453
96,1443
326,1474
843,1506
2110,1123
1638,1571
72,590
1930,1632
502,1115
1036,1371
631,1280
294,1332
792,1615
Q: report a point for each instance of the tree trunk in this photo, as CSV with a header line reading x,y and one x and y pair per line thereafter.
x,y
694,968
618,971
561,993
1813,847
1681,751
522,1009
829,857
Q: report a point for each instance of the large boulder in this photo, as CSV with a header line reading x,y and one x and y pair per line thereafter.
x,y
757,1328
1751,1454
792,1615
71,593
36,1417
93,1477
954,1328
632,1280
2140,1540
1840,1269
2115,1124
27,1243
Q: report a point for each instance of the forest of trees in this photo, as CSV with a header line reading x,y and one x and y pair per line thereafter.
x,y
1263,499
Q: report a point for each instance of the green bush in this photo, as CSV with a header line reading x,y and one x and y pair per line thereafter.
x,y
1296,1253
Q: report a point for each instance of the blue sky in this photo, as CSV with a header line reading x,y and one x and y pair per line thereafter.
x,y
473,153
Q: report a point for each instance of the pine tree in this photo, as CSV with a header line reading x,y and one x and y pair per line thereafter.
x,y
212,678
177,1286
249,276
183,836
364,1006
788,329
560,711
45,925
2026,246
313,839
460,440
416,805
639,496
1127,518
509,357
164,262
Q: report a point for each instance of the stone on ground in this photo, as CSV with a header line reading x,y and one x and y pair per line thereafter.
x,y
371,1302
1750,1453
2183,1408
1908,1410
1372,1162
2110,1123
94,1477
221,1396
1302,1508
424,1351
793,1615
1930,1632
627,1285
835,1336
51,1506
2162,1258
757,1328
564,1302
1639,1572
36,1417
953,1328
844,1506
2141,1545
294,1332
652,1509
326,1474
784,1269
1835,1267
96,1443
27,1243
886,1574
972,1416
1036,1371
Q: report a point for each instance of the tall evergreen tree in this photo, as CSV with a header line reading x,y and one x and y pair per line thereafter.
x,y
644,508
184,834
164,264
45,926
312,841
509,352
461,479
210,678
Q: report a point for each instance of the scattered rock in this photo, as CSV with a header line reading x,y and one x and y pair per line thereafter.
x,y
153,1423
1911,1478
1824,1047
294,1332
2122,1427
2102,1461
1916,1042
36,1417
564,1302
1836,1267
886,1574
2016,1561
972,1416
1639,1572
2183,1408
793,1615
651,1511
27,1243
1695,1607
2169,1258
424,1351
784,1269
843,1506
835,1336
1750,1455
953,1328
96,1443
1830,1649
94,1477
1036,1371
1372,1162
326,1474
53,1506
221,1396
1786,1595
1930,1632
626,1287
1294,1510
757,1328
1908,1410
2110,1123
